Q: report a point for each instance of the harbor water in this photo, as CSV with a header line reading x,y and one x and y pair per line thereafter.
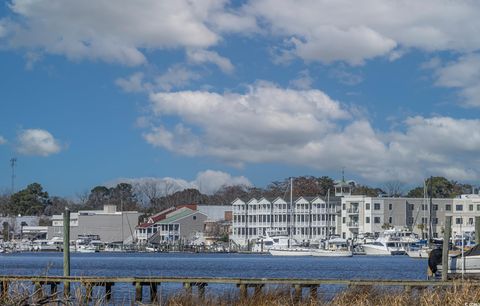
x,y
212,265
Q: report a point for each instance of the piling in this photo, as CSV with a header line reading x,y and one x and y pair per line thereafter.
x,y
66,250
446,242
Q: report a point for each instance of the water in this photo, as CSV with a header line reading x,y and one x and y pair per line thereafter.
x,y
212,265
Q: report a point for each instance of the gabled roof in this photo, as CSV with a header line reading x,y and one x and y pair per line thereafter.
x,y
164,214
180,215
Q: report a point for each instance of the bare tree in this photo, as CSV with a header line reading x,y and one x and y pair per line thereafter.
x,y
83,197
394,188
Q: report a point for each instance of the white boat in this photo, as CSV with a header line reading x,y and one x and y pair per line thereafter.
x,y
468,263
271,240
334,247
422,252
391,242
43,245
292,251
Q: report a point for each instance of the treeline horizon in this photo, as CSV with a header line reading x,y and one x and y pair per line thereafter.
x,y
151,197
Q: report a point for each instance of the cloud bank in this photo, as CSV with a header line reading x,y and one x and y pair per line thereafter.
x,y
207,182
306,127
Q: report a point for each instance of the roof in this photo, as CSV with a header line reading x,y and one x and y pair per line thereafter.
x,y
178,216
164,214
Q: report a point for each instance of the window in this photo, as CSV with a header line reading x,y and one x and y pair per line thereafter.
x,y
435,207
478,207
458,207
470,221
434,220
390,220
376,206
412,206
376,220
343,220
470,207
390,206
367,206
367,220
458,221
448,207
344,206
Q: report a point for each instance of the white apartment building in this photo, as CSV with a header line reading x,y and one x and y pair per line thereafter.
x,y
361,214
307,219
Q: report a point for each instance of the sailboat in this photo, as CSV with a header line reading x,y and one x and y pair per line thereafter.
x,y
290,249
423,250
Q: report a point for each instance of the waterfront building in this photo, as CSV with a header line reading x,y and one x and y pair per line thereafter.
x,y
109,224
176,223
307,219
362,214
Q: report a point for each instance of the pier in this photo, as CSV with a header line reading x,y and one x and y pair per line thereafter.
x,y
54,283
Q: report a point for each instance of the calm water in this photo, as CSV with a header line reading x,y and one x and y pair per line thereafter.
x,y
211,265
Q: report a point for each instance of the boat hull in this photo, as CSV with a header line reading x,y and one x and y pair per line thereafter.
x,y
290,252
327,253
418,254
372,250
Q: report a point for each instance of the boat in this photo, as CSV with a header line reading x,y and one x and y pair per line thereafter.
x,y
391,242
285,245
44,245
291,251
272,239
334,247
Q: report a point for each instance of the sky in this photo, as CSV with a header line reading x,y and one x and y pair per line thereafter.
x,y
215,92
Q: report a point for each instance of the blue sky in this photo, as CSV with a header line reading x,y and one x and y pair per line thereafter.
x,y
214,92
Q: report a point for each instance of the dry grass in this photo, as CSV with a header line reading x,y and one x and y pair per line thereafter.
x,y
460,294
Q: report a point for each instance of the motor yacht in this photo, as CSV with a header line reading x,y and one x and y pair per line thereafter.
x,y
334,247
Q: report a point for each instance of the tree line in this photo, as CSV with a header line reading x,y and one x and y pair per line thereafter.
x,y
150,197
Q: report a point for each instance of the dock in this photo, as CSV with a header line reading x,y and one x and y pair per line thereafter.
x,y
246,286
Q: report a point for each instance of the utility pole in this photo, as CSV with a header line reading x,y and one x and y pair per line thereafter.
x,y
13,162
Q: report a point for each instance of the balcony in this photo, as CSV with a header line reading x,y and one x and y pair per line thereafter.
x,y
352,224
352,211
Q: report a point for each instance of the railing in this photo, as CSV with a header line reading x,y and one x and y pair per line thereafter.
x,y
352,224
88,282
352,210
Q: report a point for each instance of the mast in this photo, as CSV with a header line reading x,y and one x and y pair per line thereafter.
x,y
291,211
430,235
423,205
328,231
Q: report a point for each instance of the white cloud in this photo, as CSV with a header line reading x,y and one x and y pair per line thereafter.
x,y
204,56
355,31
118,31
207,182
134,83
37,142
463,74
2,140
268,124
210,181
176,76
